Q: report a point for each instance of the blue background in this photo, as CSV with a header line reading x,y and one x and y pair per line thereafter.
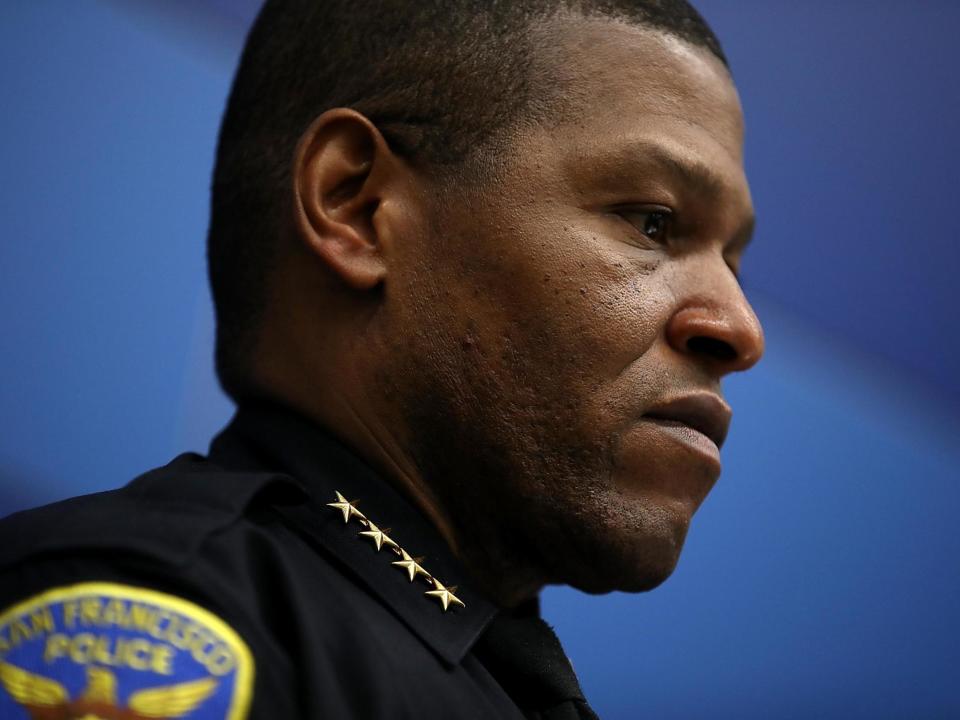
x,y
820,578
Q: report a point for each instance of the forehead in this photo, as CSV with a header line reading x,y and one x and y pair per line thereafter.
x,y
627,88
611,69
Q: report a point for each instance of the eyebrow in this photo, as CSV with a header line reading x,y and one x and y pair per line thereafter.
x,y
691,172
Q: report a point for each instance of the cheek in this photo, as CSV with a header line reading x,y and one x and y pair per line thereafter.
x,y
594,302
572,292
547,305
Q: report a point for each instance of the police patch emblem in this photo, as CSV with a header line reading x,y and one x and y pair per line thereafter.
x,y
102,651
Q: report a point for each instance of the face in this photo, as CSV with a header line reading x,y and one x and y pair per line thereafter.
x,y
560,363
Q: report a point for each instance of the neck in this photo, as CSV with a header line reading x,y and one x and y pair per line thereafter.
x,y
334,400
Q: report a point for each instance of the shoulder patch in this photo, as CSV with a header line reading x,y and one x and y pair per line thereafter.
x,y
108,651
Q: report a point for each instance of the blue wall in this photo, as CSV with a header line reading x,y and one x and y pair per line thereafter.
x,y
821,577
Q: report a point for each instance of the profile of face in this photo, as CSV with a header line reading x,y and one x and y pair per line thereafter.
x,y
536,356
563,334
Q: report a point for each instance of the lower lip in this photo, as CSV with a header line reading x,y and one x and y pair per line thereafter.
x,y
688,436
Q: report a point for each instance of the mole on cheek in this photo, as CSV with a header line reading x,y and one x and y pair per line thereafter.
x,y
641,271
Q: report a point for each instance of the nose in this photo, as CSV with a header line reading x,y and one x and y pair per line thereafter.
x,y
719,330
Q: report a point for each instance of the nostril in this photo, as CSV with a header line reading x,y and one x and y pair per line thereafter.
x,y
712,347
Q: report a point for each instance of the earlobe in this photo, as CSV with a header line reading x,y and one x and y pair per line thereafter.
x,y
337,190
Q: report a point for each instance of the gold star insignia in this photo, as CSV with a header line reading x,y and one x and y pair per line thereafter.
x,y
379,537
411,565
444,595
346,507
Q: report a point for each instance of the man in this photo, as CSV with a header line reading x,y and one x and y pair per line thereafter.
x,y
474,267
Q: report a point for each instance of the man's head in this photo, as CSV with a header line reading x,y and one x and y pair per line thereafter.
x,y
505,272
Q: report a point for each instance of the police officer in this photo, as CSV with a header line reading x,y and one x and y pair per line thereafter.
x,y
475,274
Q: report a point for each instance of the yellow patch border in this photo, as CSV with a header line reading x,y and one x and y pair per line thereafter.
x,y
242,687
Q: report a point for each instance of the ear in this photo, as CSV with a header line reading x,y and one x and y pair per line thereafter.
x,y
339,177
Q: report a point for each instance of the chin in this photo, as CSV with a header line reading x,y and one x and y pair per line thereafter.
x,y
634,579
631,564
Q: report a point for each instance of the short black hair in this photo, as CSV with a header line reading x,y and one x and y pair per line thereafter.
x,y
437,77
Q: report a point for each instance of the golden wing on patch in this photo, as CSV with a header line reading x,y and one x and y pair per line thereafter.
x,y
171,701
38,695
27,688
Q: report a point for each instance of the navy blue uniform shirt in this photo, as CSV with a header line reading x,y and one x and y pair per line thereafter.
x,y
227,586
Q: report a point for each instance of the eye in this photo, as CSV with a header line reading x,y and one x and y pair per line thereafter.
x,y
654,223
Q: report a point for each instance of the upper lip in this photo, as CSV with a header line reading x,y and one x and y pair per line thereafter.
x,y
705,412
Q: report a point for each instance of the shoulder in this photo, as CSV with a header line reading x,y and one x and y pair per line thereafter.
x,y
190,571
115,597
166,513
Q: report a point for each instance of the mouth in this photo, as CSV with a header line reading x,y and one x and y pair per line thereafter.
x,y
701,419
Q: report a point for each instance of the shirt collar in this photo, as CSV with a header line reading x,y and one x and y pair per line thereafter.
x,y
266,437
